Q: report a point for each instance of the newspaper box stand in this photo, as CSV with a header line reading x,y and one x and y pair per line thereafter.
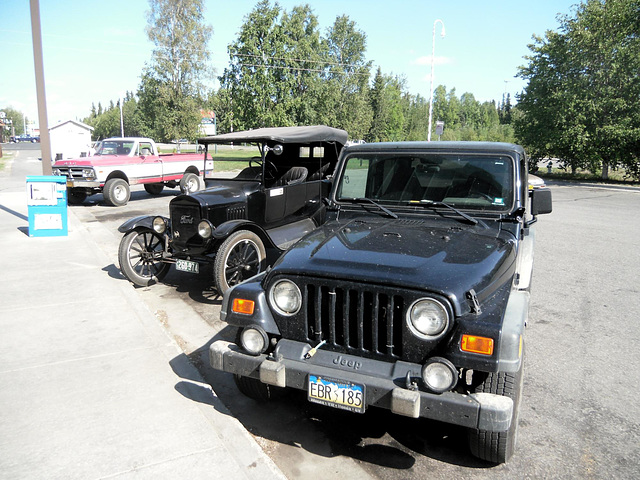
x,y
47,203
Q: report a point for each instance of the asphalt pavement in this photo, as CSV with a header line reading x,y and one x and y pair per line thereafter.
x,y
93,386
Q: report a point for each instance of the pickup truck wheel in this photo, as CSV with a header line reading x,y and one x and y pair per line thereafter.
x,y
241,256
76,197
140,257
154,188
255,389
189,183
116,192
497,447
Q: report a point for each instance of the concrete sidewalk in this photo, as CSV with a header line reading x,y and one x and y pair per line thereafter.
x,y
92,386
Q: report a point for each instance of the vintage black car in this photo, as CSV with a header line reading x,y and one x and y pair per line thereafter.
x,y
245,218
412,296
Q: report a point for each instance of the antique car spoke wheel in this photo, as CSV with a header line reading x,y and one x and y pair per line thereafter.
x,y
241,256
140,257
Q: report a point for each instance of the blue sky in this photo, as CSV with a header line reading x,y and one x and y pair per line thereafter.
x,y
94,51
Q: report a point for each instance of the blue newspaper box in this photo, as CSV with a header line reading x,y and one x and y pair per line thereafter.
x,y
47,204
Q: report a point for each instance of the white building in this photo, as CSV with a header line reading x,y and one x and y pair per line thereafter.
x,y
70,139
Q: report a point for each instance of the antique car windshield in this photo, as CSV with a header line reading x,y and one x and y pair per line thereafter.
x,y
469,181
115,147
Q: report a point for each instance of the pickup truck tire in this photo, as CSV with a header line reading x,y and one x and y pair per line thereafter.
x,y
154,188
116,192
497,447
76,196
241,256
140,255
189,183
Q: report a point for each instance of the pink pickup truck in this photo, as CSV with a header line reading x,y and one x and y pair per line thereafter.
x,y
121,162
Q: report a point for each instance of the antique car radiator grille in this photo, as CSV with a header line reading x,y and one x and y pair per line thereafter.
x,y
360,319
184,223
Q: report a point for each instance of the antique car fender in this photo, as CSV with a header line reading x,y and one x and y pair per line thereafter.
x,y
145,221
225,229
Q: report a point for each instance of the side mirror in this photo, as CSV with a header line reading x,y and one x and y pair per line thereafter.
x,y
541,201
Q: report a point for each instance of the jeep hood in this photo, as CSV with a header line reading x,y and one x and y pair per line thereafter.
x,y
448,259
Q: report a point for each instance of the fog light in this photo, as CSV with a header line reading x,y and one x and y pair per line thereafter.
x,y
439,375
159,225
205,229
254,340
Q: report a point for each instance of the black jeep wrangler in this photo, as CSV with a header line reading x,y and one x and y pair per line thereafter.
x,y
246,217
412,296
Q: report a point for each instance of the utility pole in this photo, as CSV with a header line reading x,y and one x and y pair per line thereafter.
x,y
45,141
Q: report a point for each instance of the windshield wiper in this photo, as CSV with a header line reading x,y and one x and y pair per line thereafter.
x,y
435,203
372,202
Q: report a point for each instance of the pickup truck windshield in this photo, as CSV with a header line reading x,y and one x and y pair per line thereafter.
x,y
474,182
115,147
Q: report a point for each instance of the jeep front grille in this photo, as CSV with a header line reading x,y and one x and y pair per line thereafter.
x,y
364,320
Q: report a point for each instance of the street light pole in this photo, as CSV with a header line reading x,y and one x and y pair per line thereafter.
x,y
433,56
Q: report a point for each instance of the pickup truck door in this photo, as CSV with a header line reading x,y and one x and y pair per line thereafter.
x,y
150,163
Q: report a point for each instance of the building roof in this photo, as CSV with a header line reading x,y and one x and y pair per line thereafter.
x,y
75,122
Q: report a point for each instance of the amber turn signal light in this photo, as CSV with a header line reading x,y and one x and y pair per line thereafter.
x,y
243,306
473,344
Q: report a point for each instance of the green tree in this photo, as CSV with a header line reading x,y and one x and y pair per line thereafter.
x,y
583,87
178,68
15,118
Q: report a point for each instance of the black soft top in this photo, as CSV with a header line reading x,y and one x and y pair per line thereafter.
x,y
273,135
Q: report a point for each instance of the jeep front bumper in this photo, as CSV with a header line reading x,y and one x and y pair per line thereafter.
x,y
385,383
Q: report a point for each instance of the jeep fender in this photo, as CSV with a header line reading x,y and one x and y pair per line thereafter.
x,y
144,221
511,338
249,290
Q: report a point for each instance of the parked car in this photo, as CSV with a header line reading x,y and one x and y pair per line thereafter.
x,y
244,219
25,138
119,162
412,296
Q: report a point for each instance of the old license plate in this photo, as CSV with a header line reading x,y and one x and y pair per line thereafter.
x,y
336,393
187,266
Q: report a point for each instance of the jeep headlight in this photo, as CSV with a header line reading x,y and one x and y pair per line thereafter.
x,y
285,297
427,318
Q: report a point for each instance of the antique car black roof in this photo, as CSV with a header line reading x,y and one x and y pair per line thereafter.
x,y
301,135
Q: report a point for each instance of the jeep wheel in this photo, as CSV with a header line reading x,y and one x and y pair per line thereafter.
x,y
241,256
140,257
154,188
497,447
254,388
189,183
76,196
116,192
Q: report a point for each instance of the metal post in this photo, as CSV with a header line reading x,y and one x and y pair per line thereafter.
x,y
45,141
433,56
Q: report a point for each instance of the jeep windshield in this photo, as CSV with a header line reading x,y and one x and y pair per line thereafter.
x,y
465,181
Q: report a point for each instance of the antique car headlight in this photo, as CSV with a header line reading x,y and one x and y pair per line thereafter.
x,y
427,318
159,225
439,375
205,229
285,297
254,340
